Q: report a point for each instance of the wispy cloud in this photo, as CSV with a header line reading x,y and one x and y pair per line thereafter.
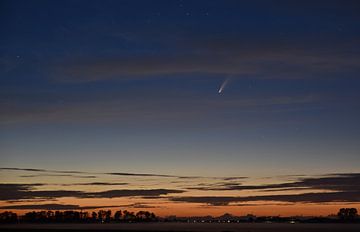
x,y
96,183
131,192
17,109
42,170
232,55
138,174
83,174
59,175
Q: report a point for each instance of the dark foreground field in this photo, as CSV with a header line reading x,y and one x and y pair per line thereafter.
x,y
178,227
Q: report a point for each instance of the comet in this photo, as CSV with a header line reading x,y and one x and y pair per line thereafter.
x,y
223,85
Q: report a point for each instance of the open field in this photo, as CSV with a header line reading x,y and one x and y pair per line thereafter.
x,y
208,227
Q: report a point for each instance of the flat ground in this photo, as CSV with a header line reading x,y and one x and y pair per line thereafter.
x,y
185,227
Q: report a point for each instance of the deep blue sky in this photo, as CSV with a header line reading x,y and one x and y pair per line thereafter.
x,y
133,85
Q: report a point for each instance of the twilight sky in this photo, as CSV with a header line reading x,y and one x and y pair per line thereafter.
x,y
94,94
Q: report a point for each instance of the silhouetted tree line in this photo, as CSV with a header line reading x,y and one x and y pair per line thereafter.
x,y
105,216
70,216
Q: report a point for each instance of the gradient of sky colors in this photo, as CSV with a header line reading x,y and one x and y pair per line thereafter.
x,y
103,87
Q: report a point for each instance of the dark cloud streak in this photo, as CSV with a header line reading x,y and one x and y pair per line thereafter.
x,y
334,182
325,197
54,207
11,192
344,187
70,173
72,207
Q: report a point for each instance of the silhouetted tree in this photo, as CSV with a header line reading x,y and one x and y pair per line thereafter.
x,y
8,217
59,216
347,214
84,216
30,217
153,217
145,216
101,215
117,215
50,216
140,215
93,216
71,216
108,216
128,216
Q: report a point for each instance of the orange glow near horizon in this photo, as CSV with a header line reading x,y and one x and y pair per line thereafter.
x,y
191,209
237,196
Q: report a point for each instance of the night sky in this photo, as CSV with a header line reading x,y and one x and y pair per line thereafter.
x,y
184,107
